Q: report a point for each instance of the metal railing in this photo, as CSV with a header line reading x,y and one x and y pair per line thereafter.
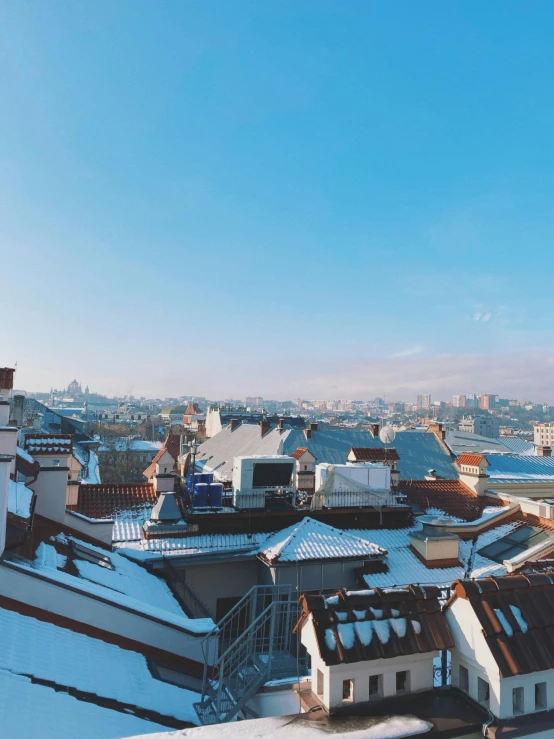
x,y
187,598
252,644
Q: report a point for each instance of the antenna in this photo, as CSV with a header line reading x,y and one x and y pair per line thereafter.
x,y
387,435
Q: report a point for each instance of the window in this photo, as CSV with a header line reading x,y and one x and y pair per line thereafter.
x,y
540,697
402,681
320,682
55,463
483,691
463,679
516,542
517,701
90,555
348,691
375,686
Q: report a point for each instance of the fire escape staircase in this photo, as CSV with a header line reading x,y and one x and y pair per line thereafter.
x,y
251,645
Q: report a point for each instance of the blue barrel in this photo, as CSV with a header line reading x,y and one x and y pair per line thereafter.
x,y
193,479
200,495
215,494
207,477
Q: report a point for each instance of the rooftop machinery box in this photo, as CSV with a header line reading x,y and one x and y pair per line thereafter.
x,y
374,475
254,476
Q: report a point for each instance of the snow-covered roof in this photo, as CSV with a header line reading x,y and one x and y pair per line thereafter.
x,y
19,499
418,452
24,455
45,651
127,584
30,711
520,468
314,540
287,727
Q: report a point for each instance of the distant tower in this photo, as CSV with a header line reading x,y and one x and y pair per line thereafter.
x,y
87,391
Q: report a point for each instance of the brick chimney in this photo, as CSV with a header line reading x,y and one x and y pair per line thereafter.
x,y
17,410
235,423
308,433
264,427
437,429
314,426
374,429
6,380
544,451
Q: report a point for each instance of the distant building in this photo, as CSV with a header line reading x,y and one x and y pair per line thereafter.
x,y
544,434
254,400
459,401
482,425
486,402
423,402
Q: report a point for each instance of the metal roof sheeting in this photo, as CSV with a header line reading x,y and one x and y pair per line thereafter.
x,y
520,468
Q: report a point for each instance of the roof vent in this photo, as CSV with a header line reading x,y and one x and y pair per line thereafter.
x,y
434,544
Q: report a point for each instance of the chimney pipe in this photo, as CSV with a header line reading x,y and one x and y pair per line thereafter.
x,y
281,424
374,429
235,423
17,410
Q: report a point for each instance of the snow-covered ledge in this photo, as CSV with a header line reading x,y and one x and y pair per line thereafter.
x,y
100,529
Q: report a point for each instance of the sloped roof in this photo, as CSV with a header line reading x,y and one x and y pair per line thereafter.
x,y
48,652
172,444
49,443
474,460
418,452
300,452
354,626
314,540
451,496
374,454
516,614
464,441
107,500
520,468
25,464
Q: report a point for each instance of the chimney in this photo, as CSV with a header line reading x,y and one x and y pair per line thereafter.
x,y
544,451
281,425
235,423
17,410
308,433
163,482
264,427
6,380
37,421
434,544
4,411
374,429
314,426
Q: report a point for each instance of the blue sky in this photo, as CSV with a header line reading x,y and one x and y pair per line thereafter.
x,y
328,199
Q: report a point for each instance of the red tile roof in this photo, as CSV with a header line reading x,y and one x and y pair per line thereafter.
x,y
104,501
474,460
299,452
374,454
172,444
450,496
516,614
377,624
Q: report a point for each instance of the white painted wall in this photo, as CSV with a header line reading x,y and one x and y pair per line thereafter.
x,y
473,653
420,667
50,487
41,592
5,465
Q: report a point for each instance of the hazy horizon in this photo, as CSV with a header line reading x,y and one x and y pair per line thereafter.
x,y
278,199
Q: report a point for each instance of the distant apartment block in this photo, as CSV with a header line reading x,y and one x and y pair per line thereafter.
x,y
486,402
255,400
488,426
459,401
423,402
544,434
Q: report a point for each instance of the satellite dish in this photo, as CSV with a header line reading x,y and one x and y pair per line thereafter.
x,y
387,434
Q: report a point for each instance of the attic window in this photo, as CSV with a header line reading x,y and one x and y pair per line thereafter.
x,y
91,555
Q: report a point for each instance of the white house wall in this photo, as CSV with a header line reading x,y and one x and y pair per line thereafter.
x,y
420,667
